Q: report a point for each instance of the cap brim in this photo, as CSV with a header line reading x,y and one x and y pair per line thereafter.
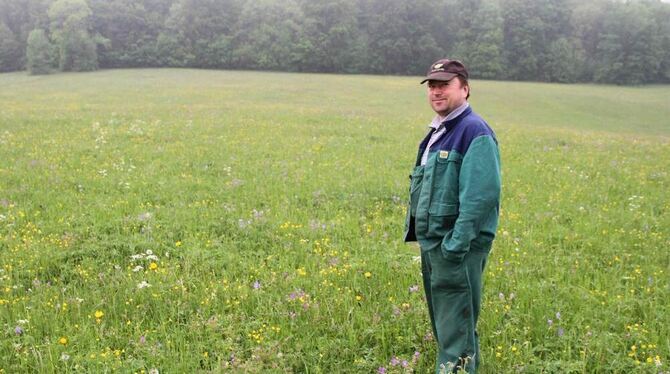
x,y
441,76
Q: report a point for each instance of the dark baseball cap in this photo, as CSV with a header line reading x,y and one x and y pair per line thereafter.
x,y
445,70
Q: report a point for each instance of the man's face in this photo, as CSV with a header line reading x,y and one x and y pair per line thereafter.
x,y
444,97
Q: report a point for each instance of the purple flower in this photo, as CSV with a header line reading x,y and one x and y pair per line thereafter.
x,y
143,339
18,330
550,322
394,361
560,331
257,285
558,315
381,370
404,363
415,358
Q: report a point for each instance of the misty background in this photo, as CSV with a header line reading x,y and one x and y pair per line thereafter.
x,y
603,41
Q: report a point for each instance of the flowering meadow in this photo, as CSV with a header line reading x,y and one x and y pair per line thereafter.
x,y
179,221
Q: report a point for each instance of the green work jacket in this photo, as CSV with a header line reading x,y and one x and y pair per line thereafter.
x,y
455,196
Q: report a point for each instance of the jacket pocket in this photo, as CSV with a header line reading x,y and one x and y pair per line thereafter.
x,y
445,178
446,274
441,219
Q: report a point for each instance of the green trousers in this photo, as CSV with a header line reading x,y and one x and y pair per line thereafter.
x,y
453,291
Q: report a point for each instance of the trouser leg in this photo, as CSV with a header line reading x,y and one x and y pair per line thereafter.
x,y
425,274
454,299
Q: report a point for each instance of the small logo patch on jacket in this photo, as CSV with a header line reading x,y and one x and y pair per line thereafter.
x,y
444,154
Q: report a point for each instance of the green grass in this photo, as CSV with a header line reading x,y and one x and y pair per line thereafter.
x,y
274,205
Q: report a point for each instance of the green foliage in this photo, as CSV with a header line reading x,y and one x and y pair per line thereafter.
x,y
40,53
10,49
482,44
77,51
565,61
273,217
606,41
270,36
70,25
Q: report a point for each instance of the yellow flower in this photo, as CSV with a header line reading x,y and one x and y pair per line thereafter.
x,y
359,297
368,274
178,243
153,266
99,314
62,340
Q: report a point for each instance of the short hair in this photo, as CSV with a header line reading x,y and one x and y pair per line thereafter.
x,y
464,82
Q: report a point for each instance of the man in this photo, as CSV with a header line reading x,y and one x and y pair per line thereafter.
x,y
453,214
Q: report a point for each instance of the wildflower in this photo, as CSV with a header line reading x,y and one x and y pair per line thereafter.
x,y
558,316
404,363
143,284
394,361
560,331
257,285
153,266
359,297
415,358
368,274
62,340
178,243
64,356
153,371
550,322
413,288
99,314
18,330
143,339
381,370
138,268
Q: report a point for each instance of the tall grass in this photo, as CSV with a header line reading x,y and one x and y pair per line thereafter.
x,y
190,220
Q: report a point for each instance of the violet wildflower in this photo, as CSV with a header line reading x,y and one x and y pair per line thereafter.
x,y
257,285
381,370
18,330
560,331
394,361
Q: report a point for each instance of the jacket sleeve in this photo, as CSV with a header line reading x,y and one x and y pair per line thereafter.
x,y
478,193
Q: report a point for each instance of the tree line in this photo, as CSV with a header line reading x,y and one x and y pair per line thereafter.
x,y
604,41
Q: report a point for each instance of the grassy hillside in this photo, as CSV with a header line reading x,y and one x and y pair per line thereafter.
x,y
185,220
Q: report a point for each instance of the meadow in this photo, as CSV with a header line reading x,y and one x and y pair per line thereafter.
x,y
178,221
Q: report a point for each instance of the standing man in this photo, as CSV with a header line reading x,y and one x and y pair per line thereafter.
x,y
453,214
